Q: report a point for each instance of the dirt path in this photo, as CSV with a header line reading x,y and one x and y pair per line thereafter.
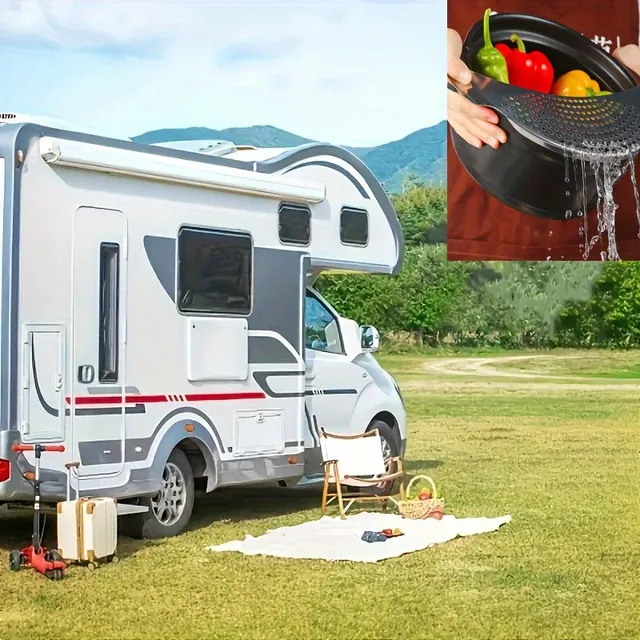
x,y
489,367
486,367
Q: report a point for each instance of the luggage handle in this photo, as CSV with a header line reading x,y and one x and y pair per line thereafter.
x,y
69,466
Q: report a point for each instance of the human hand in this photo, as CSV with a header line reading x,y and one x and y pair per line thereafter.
x,y
475,124
629,56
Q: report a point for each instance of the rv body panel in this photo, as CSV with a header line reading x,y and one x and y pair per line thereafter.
x,y
98,258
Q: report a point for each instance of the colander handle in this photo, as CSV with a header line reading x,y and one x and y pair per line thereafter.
x,y
470,91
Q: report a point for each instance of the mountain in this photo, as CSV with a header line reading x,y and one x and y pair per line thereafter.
x,y
421,153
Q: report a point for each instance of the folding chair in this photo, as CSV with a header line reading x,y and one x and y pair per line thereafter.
x,y
356,461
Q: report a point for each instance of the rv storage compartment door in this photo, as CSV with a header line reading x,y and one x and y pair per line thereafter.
x,y
43,408
258,432
218,349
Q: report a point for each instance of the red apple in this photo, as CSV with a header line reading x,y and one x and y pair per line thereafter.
x,y
387,532
424,496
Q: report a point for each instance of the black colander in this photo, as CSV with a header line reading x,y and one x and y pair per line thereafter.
x,y
603,127
530,173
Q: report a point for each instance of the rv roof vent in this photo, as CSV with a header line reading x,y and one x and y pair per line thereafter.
x,y
207,147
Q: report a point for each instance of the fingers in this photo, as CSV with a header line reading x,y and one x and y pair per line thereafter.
x,y
629,56
470,110
458,125
475,124
456,69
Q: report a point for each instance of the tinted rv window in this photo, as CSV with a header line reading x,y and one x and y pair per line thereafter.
x,y
294,224
354,226
214,272
108,330
321,330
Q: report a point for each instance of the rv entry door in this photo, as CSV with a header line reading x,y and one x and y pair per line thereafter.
x,y
99,311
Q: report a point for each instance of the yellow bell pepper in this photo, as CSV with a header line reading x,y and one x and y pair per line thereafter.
x,y
575,84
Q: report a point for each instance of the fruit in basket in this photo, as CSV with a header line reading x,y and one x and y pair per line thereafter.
x,y
424,494
437,514
397,532
387,532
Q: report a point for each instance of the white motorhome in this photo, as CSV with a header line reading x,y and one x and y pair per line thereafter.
x,y
157,316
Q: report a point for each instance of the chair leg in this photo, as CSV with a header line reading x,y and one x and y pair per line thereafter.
x,y
343,515
325,489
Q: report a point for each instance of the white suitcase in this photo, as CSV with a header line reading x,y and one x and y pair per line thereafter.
x,y
87,527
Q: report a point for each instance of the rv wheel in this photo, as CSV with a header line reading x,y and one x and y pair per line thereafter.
x,y
390,449
170,510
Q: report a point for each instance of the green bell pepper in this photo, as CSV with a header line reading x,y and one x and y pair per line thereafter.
x,y
489,61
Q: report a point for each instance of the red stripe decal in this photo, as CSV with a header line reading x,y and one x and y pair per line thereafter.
x,y
205,397
190,397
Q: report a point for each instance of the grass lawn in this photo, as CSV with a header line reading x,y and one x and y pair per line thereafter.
x,y
564,464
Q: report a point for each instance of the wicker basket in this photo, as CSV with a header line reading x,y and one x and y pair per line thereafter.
x,y
420,509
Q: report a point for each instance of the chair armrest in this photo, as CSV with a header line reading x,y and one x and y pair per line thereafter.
x,y
325,462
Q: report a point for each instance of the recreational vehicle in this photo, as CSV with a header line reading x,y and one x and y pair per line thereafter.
x,y
158,316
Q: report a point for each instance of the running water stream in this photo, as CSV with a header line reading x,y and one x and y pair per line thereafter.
x,y
608,165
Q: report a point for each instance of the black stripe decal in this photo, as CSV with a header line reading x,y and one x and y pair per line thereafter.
x,y
309,425
45,405
111,411
261,378
330,392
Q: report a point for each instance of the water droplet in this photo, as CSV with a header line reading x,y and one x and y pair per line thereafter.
x,y
603,255
566,179
567,214
567,194
548,257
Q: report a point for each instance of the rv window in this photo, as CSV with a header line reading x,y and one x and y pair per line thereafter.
x,y
214,272
108,329
354,226
321,330
294,224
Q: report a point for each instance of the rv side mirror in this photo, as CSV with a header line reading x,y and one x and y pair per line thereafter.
x,y
369,338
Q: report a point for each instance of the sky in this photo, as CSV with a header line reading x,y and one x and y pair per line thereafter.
x,y
352,72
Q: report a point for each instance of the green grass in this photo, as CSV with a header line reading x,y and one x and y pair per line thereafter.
x,y
563,464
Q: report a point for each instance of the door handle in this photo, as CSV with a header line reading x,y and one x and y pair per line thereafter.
x,y
85,374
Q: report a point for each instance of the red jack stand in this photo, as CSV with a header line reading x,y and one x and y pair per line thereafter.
x,y
48,563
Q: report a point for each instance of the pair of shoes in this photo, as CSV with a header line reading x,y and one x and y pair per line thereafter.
x,y
373,536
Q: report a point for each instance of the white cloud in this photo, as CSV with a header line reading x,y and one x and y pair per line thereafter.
x,y
352,71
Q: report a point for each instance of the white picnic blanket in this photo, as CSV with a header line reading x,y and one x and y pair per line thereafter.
x,y
335,539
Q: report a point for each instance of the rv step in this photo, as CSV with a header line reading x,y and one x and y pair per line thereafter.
x,y
127,509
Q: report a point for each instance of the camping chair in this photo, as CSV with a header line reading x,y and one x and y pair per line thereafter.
x,y
355,461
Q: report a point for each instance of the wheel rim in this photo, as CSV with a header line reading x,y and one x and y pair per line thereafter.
x,y
169,504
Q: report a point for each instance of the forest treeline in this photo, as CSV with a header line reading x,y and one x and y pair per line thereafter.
x,y
481,304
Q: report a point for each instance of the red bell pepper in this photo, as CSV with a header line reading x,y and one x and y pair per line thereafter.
x,y
531,71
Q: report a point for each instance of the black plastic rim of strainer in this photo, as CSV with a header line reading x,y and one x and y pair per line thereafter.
x,y
486,166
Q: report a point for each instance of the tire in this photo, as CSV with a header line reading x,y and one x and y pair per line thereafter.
x,y
165,518
54,556
15,560
390,442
